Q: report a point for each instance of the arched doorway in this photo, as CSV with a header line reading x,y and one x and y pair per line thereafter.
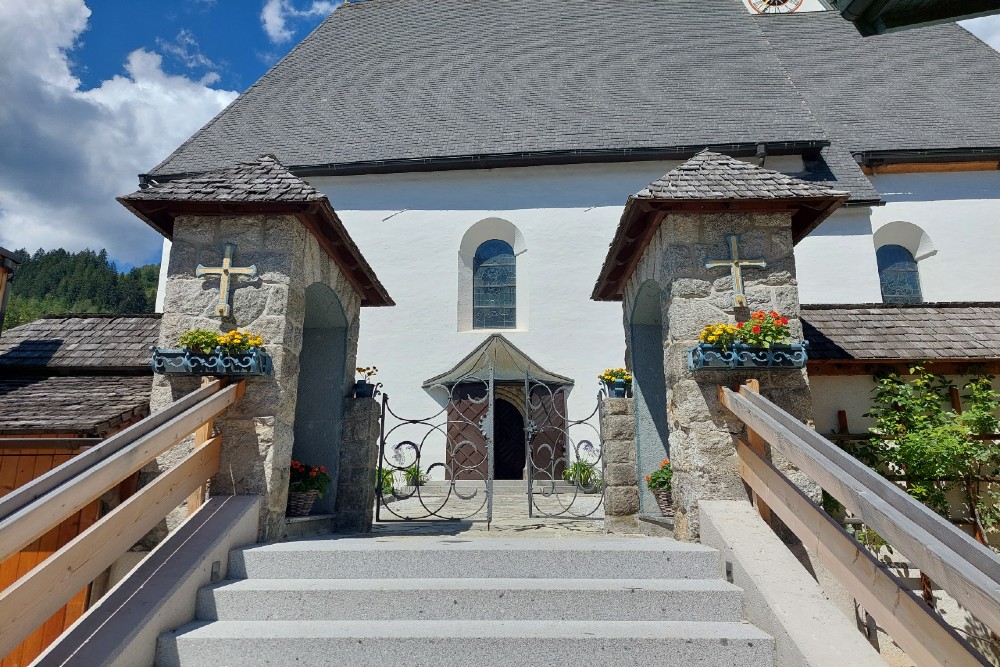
x,y
319,405
508,441
649,386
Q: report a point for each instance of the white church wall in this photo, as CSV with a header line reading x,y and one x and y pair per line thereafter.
x,y
959,213
836,262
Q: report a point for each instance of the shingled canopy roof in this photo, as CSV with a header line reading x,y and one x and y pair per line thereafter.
x,y
903,332
709,183
509,364
85,375
259,187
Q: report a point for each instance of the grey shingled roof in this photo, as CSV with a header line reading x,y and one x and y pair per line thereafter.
x,y
392,80
261,180
929,331
929,88
84,405
710,175
81,343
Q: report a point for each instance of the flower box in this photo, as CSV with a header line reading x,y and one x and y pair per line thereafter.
x,y
182,361
739,355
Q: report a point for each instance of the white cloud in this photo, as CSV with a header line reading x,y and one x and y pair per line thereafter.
x,y
186,49
986,28
278,14
67,152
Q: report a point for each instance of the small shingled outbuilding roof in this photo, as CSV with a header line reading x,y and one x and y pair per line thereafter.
x,y
709,183
907,332
714,176
80,405
80,344
259,187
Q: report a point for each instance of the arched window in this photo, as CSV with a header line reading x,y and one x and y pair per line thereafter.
x,y
494,286
897,273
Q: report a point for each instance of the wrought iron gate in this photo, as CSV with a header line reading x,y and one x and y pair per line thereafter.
x,y
463,430
565,458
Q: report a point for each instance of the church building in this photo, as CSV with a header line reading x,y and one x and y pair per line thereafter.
x,y
480,154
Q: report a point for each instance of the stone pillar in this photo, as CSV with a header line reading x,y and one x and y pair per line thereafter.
x,y
621,495
358,466
258,432
702,432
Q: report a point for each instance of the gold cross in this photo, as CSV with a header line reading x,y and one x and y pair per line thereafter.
x,y
736,266
227,269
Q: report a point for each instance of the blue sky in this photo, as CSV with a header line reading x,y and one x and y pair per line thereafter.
x,y
95,92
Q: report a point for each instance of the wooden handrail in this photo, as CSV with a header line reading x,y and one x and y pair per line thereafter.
x,y
44,503
33,598
961,566
47,501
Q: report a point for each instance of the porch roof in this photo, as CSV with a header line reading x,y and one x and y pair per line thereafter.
x,y
510,364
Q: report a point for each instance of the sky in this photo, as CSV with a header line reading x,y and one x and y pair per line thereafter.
x,y
95,92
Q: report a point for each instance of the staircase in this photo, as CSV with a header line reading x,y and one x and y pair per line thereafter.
x,y
446,601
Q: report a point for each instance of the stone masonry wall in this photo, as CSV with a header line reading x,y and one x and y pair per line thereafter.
x,y
358,465
621,496
257,431
702,432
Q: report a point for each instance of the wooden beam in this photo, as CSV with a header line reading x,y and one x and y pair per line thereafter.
x,y
921,633
964,568
27,523
930,167
902,366
759,446
27,603
201,437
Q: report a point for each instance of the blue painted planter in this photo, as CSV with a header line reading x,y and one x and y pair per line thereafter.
x,y
364,389
182,361
779,357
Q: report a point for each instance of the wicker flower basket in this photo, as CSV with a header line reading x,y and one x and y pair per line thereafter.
x,y
665,501
301,503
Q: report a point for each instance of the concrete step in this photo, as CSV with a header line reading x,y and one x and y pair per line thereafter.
x,y
456,557
471,599
507,643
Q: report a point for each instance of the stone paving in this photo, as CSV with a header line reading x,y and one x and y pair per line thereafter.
x,y
584,516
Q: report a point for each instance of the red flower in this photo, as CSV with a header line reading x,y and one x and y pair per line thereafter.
x,y
756,329
784,320
322,469
739,325
775,315
312,474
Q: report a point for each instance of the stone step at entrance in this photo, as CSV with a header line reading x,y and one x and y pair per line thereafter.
x,y
470,601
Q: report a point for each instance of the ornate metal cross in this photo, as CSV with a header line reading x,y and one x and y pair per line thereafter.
x,y
224,272
736,264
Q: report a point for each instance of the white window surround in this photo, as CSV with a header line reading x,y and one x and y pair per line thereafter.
x,y
486,230
907,235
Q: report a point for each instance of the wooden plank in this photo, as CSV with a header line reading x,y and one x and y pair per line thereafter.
x,y
120,440
26,604
758,445
202,435
955,562
921,633
26,524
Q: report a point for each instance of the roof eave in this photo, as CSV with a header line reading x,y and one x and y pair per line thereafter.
x,y
637,226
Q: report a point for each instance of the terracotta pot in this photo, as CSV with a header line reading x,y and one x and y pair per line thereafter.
x,y
665,501
300,503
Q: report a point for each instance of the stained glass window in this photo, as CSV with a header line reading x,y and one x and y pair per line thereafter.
x,y
897,271
494,285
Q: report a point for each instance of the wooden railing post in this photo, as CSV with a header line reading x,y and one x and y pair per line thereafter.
x,y
758,445
201,436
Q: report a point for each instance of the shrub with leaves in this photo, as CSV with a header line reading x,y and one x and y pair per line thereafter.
x,y
662,478
200,341
304,478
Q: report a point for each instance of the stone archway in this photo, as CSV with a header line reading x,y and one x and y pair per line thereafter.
x,y
319,408
649,389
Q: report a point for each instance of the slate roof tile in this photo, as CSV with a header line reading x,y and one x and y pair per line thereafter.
x,y
90,405
81,342
933,331
710,175
264,179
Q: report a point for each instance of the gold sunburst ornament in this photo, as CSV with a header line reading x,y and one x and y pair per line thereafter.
x,y
775,6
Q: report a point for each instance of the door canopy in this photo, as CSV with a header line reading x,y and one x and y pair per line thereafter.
x,y
509,365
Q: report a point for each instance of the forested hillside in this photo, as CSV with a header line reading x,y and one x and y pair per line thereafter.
x,y
55,281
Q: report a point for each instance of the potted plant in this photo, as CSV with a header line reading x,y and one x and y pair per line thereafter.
x,y
660,482
617,382
207,352
764,341
584,474
363,388
385,481
306,483
414,475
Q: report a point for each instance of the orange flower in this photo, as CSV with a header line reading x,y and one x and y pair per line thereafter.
x,y
312,474
775,315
